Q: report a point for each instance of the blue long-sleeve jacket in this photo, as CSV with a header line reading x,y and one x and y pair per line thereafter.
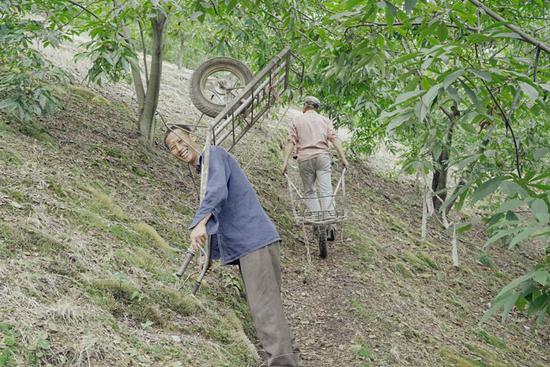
x,y
238,225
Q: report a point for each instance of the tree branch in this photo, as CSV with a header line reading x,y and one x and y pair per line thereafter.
x,y
515,29
83,8
537,56
508,126
144,53
397,24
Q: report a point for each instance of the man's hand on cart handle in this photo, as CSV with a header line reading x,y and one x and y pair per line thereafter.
x,y
199,235
345,163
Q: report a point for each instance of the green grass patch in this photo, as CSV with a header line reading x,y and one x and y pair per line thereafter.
x,y
487,357
127,235
22,238
122,108
483,358
487,338
183,304
420,262
138,171
454,359
56,188
227,330
364,253
140,258
81,93
124,300
8,345
104,204
35,130
151,235
363,352
392,223
274,153
5,129
114,152
17,196
360,310
88,219
428,261
402,269
9,158
485,260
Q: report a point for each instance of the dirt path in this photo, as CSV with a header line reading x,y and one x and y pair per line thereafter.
x,y
323,323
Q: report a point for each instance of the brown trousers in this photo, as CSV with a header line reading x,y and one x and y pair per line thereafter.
x,y
261,273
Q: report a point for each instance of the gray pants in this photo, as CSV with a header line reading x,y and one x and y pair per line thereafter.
x,y
316,177
261,273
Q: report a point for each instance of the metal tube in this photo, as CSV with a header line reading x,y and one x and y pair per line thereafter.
x,y
253,82
243,105
220,140
188,257
204,183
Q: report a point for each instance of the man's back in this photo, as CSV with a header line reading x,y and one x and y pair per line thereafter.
x,y
311,133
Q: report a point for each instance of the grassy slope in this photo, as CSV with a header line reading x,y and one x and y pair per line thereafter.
x,y
88,221
92,227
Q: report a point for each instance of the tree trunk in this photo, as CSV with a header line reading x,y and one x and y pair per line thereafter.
x,y
179,59
138,86
147,117
439,180
136,75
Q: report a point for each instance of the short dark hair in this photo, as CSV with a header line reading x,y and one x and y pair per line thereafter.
x,y
171,128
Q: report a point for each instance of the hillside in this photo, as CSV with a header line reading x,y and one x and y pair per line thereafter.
x,y
93,226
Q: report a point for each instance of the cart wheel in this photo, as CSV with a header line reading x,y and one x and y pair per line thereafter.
x,y
322,242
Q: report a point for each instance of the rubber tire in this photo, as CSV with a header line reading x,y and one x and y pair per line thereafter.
x,y
209,67
323,253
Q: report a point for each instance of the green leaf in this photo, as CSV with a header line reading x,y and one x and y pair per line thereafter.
x,y
510,205
513,285
406,57
509,305
522,236
540,210
467,161
409,5
511,188
487,188
310,50
350,4
196,15
391,12
428,98
472,95
450,79
542,277
479,38
528,89
408,95
500,234
482,74
507,35
398,121
541,152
